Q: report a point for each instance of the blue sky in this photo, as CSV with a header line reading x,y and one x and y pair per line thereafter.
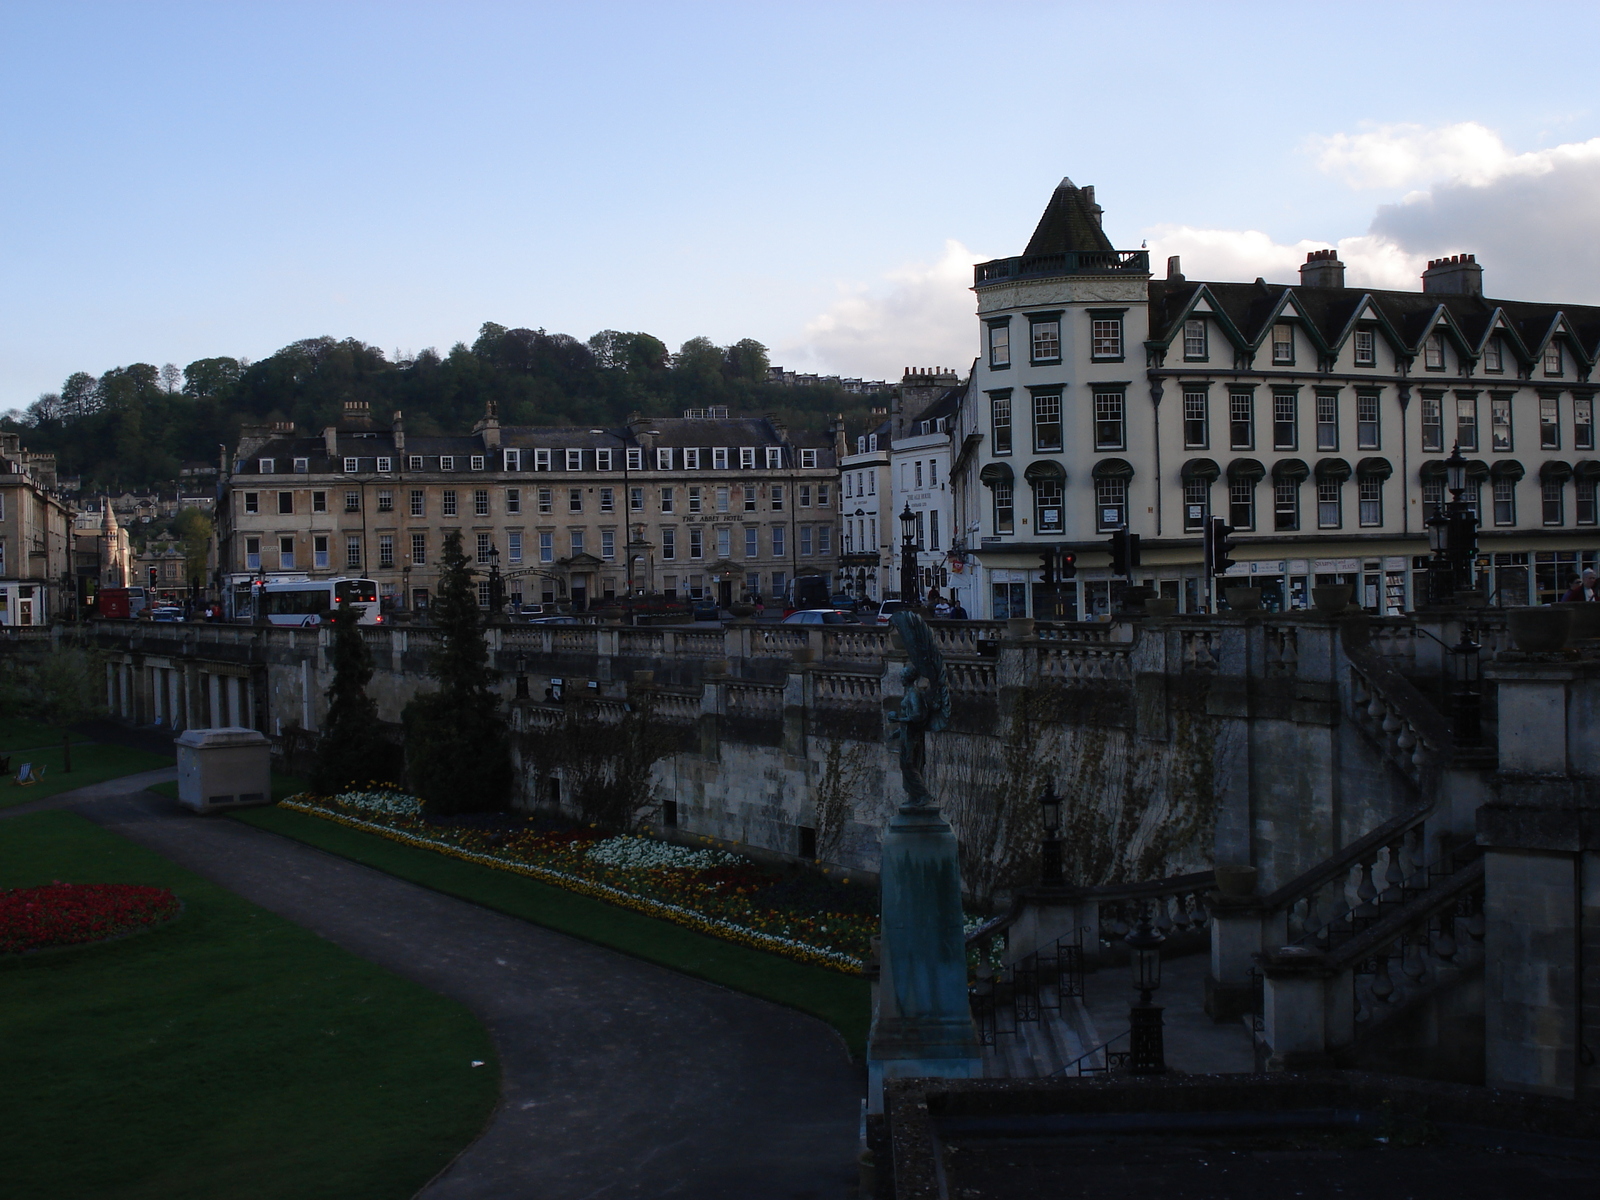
x,y
183,180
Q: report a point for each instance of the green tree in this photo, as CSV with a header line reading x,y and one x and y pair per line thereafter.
x,y
194,529
458,756
747,359
352,751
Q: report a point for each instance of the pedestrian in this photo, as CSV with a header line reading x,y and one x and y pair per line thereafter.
x,y
957,613
1585,587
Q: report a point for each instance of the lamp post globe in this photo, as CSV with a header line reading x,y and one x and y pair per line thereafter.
x,y
1455,472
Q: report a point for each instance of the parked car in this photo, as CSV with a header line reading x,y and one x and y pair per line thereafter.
x,y
888,608
554,621
843,600
822,616
706,610
166,612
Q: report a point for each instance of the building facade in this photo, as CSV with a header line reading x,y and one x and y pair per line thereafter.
x,y
919,468
700,506
1314,417
868,566
36,560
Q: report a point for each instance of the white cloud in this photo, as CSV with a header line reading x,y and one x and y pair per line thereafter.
x,y
1243,254
923,318
1391,156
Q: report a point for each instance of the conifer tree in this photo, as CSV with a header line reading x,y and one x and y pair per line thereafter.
x,y
352,751
458,756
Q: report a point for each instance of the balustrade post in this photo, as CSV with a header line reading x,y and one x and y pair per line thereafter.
x,y
1295,1007
1236,940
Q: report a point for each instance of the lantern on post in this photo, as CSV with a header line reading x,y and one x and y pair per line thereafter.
x,y
1050,868
1146,1050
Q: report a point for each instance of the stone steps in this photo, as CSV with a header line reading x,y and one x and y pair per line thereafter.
x,y
1040,1048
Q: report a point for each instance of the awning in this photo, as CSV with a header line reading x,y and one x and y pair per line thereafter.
x,y
1200,468
1045,469
1477,470
1332,468
1555,471
1245,470
1113,468
1432,468
1290,470
1587,469
996,473
1374,468
1506,468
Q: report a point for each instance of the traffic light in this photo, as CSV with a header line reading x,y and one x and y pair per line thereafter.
x,y
1124,553
1047,561
1066,565
1217,546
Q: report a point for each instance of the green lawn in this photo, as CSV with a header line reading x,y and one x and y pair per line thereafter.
x,y
840,1000
19,733
228,1053
92,762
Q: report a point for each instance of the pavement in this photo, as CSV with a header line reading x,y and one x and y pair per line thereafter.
x,y
1193,1041
620,1079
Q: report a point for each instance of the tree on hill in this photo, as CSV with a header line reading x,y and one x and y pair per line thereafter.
x,y
458,756
352,751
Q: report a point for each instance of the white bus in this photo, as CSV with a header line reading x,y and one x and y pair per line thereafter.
x,y
307,601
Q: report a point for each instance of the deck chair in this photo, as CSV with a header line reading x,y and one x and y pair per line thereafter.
x,y
27,776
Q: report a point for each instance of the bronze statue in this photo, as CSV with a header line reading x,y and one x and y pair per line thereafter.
x,y
923,710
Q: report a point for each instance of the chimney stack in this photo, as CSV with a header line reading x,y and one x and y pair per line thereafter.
x,y
397,426
357,414
1322,269
1174,270
1458,275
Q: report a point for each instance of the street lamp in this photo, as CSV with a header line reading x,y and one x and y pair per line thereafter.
x,y
495,602
405,585
909,591
522,678
1146,1052
1050,853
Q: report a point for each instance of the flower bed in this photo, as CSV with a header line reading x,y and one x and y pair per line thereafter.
x,y
68,914
713,891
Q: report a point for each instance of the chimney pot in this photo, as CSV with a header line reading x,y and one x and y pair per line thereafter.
x,y
1322,269
1457,275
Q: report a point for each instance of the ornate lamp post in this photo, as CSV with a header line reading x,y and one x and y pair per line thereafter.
x,y
1050,874
1452,535
1468,698
496,601
405,585
909,592
1146,1052
522,678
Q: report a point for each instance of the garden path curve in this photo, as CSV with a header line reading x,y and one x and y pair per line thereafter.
x,y
620,1079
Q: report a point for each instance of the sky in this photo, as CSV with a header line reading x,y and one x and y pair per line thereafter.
x,y
183,180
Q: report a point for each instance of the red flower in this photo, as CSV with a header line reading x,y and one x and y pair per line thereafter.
x,y
65,914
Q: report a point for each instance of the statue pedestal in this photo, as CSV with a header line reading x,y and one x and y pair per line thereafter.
x,y
923,1025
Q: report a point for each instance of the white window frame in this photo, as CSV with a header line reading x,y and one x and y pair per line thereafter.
x,y
808,459
635,458
447,462
663,458
350,464
747,458
477,462
573,460
774,457
719,458
385,466
691,458
512,460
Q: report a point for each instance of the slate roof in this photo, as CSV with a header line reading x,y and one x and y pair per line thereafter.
x,y
1247,312
1068,224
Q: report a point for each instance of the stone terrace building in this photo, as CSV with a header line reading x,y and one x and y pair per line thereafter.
x,y
1315,418
35,536
704,505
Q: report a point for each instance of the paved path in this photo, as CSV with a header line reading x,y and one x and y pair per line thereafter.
x,y
620,1079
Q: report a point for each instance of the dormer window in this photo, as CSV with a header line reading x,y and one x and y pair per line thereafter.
x,y
385,465
1283,345
602,460
1366,348
1433,352
477,462
808,458
1194,340
513,460
350,465
541,460
872,441
302,466
574,460
635,458
1494,356
414,462
691,458
447,462
747,458
861,443
774,457
1552,358
719,458
663,458
267,466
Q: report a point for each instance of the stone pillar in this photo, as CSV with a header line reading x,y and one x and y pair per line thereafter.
x,y
1236,937
923,1024
1048,915
1295,1007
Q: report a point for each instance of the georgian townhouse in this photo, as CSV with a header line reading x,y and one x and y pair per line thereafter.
x,y
1315,418
35,537
704,505
919,466
869,564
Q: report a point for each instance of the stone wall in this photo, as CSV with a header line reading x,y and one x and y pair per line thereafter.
x,y
1175,742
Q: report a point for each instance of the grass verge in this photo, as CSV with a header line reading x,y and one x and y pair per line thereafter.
x,y
19,733
227,1053
92,762
840,1000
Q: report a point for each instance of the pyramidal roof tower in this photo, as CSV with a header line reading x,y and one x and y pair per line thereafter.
x,y
1071,222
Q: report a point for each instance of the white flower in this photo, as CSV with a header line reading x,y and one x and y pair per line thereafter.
x,y
396,804
646,854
